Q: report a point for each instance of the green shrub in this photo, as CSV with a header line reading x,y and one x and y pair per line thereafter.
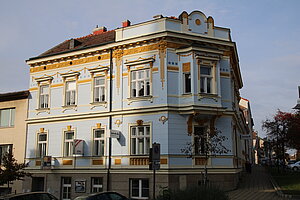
x,y
194,193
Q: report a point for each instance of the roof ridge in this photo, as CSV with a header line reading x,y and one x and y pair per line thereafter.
x,y
92,34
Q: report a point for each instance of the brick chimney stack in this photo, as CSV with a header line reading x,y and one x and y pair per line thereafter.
x,y
126,23
99,30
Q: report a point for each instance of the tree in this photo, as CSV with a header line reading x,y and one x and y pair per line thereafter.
x,y
209,143
10,170
283,132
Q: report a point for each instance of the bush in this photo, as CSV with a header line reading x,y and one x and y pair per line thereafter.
x,y
194,193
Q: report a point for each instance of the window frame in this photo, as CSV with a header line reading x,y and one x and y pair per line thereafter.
x,y
146,79
43,81
69,141
212,65
136,137
140,188
68,186
70,92
43,143
185,81
98,187
67,78
99,139
12,117
42,95
9,148
196,151
100,86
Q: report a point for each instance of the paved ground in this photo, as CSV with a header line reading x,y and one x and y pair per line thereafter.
x,y
255,186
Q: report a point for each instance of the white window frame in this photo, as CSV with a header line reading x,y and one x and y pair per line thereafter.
x,y
135,149
42,145
100,141
68,186
205,79
101,88
42,82
95,188
70,77
44,98
139,78
140,188
11,117
68,144
70,94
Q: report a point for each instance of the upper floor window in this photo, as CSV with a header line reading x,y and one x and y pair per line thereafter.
x,y
99,89
44,96
70,95
98,147
5,149
7,117
140,83
140,140
42,145
68,143
206,79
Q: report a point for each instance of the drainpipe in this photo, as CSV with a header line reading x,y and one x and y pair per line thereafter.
x,y
108,186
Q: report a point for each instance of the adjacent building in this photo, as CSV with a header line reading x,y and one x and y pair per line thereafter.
x,y
99,102
13,113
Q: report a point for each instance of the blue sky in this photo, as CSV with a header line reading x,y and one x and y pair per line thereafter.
x,y
266,32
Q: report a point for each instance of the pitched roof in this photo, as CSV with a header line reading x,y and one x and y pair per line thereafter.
x,y
14,96
81,43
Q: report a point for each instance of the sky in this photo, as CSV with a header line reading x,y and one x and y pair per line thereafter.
x,y
266,33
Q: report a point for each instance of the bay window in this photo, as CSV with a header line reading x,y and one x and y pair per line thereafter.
x,y
206,79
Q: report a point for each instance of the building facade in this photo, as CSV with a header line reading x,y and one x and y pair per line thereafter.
x,y
13,113
168,80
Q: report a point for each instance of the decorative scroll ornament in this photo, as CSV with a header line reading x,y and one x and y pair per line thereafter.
x,y
118,122
163,119
162,46
139,122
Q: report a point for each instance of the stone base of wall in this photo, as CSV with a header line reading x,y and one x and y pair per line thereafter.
x,y
120,181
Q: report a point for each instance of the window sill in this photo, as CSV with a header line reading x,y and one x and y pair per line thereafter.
x,y
70,107
208,95
142,98
41,110
97,104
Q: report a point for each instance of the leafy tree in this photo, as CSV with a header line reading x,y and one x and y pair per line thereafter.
x,y
208,144
283,132
10,170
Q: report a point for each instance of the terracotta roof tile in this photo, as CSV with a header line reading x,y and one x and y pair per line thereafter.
x,y
82,43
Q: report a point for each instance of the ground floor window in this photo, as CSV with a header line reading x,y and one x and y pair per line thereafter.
x,y
139,188
66,188
97,184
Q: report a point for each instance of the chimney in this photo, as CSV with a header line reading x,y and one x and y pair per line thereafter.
x,y
99,30
73,43
298,101
126,23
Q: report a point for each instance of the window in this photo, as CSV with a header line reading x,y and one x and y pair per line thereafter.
x,y
7,117
44,96
97,184
99,89
5,149
70,96
140,83
140,140
66,188
69,143
200,139
187,82
98,142
206,79
42,145
139,188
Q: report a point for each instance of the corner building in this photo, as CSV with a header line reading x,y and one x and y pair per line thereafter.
x,y
165,80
